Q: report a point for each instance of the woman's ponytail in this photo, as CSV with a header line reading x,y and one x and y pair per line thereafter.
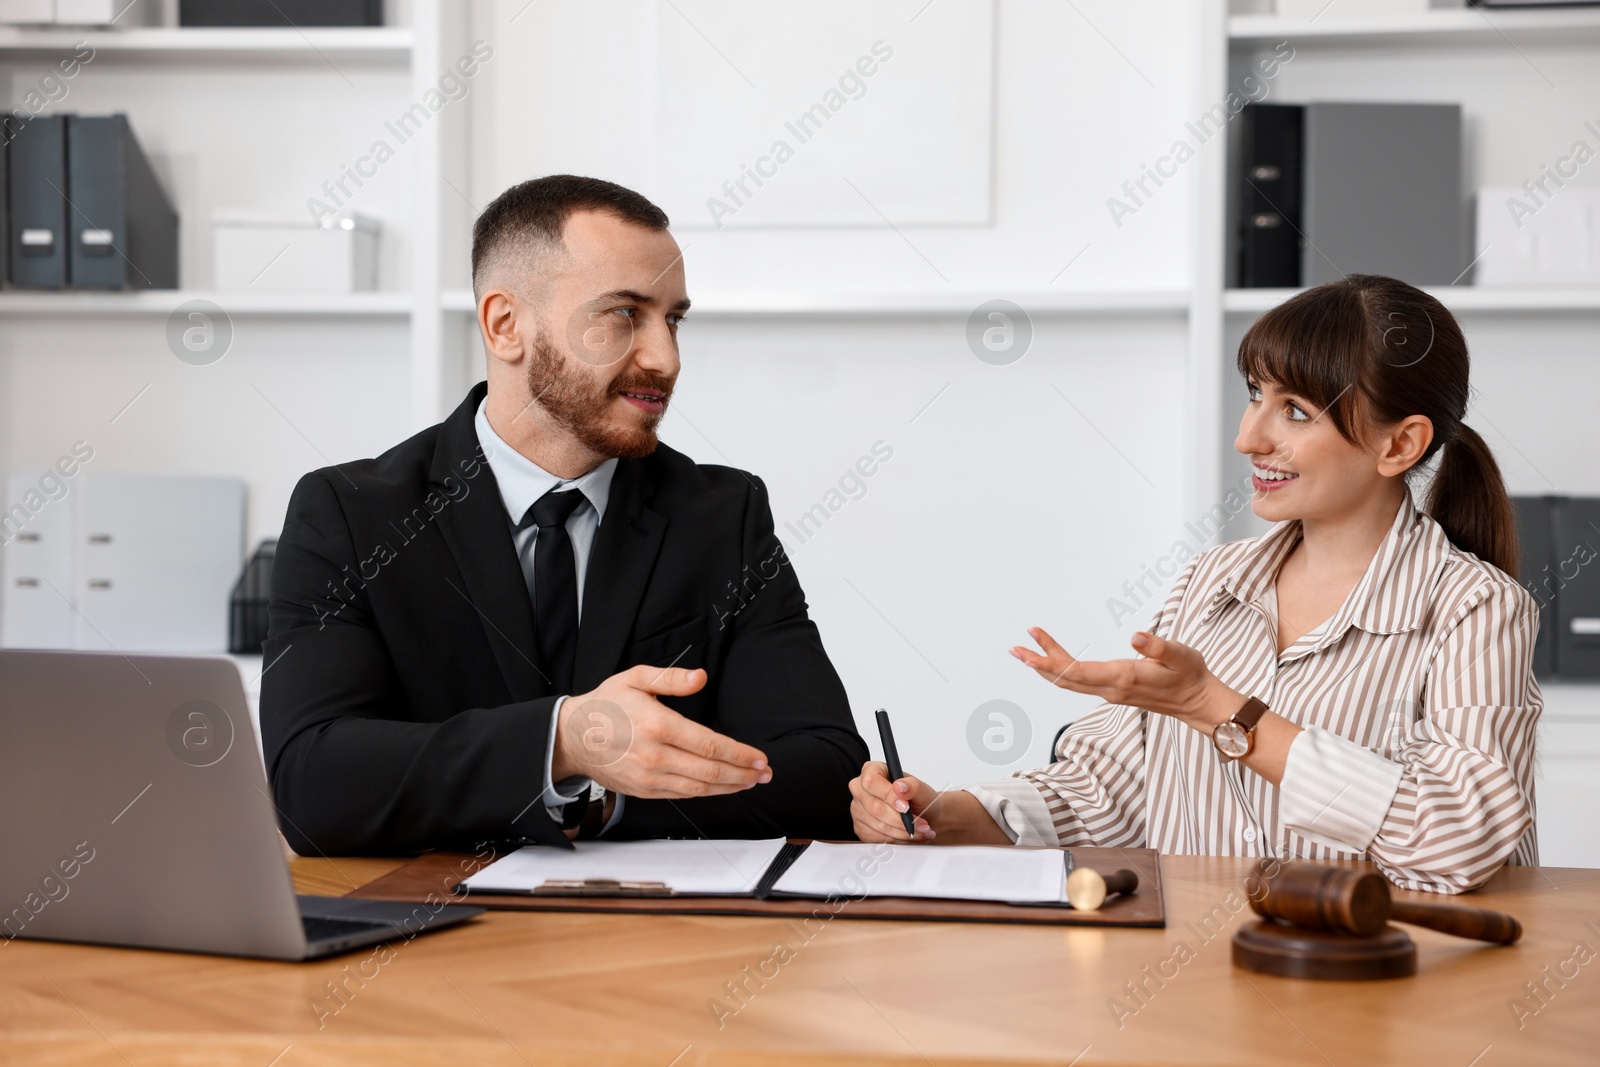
x,y
1468,500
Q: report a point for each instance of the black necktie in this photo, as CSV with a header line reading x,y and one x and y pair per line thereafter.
x,y
555,587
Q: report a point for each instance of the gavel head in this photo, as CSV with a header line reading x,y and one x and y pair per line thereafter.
x,y
1326,898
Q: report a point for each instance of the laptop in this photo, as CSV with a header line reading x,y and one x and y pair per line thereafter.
x,y
134,811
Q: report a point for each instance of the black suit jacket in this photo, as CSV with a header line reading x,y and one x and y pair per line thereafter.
x,y
402,708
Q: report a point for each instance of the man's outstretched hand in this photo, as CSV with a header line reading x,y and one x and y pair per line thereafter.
x,y
621,736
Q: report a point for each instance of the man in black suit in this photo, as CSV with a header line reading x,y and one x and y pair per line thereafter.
x,y
532,621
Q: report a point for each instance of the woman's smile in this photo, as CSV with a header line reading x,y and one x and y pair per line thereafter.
x,y
1270,479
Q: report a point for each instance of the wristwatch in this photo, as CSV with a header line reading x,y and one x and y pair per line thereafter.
x,y
1236,737
584,817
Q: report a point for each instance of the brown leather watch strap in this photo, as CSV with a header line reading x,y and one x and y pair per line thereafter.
x,y
1250,714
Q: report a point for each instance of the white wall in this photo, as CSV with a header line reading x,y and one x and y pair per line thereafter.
x,y
1002,507
287,398
1073,120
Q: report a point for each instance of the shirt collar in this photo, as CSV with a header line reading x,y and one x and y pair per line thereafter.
x,y
523,481
1391,597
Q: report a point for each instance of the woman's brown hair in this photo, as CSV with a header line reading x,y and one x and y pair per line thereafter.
x,y
1371,350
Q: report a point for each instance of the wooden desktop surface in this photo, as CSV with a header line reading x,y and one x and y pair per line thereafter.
x,y
518,988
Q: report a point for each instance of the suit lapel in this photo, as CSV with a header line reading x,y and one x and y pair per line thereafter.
x,y
476,530
624,554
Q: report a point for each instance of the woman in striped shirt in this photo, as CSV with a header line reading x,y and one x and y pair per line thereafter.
x,y
1356,683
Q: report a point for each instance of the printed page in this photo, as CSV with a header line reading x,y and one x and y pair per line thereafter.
x,y
957,872
705,868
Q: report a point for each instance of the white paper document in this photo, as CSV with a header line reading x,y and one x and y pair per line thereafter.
x,y
702,868
956,872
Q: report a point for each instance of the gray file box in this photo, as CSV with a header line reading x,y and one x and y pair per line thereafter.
x,y
122,232
1577,558
1383,193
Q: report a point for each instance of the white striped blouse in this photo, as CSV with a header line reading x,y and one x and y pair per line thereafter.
x,y
1418,705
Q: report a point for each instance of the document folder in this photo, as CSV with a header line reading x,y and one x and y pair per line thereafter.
x,y
438,875
38,201
123,232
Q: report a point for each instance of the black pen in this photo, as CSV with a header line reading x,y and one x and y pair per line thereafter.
x,y
891,756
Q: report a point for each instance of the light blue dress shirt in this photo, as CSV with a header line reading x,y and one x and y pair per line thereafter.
x,y
521,482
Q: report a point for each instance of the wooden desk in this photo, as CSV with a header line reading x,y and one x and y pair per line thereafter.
x,y
516,989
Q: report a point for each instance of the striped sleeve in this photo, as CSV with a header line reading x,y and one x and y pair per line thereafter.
x,y
1336,791
1465,796
1094,794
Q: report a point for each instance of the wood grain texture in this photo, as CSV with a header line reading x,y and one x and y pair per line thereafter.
x,y
518,988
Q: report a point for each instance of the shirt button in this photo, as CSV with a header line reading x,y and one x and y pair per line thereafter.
x,y
1250,834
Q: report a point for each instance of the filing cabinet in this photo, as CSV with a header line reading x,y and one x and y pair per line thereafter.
x,y
122,562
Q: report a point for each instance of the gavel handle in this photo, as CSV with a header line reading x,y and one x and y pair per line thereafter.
x,y
1123,881
1479,924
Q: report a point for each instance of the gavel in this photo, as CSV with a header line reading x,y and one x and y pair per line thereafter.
x,y
1359,902
1087,888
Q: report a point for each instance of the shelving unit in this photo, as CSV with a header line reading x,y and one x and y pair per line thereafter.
x,y
433,309
1462,299
17,304
1472,25
1500,64
165,43
309,69
937,302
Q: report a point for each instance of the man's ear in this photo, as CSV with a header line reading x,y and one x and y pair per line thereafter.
x,y
1403,445
498,322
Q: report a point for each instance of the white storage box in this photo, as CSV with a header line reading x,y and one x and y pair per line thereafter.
x,y
1554,243
276,254
115,13
27,12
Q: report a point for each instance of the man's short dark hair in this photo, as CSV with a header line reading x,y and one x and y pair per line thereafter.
x,y
535,213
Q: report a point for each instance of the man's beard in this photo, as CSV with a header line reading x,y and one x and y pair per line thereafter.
x,y
582,408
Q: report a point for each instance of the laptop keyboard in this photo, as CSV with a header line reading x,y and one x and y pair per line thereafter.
x,y
318,930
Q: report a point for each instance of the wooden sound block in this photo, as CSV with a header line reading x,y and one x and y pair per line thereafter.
x,y
1273,947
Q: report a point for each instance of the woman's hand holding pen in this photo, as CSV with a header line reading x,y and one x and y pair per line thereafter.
x,y
876,805
1171,678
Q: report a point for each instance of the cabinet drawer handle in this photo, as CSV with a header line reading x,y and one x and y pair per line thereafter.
x,y
1586,627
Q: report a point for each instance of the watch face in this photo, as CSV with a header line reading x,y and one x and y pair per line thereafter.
x,y
1232,740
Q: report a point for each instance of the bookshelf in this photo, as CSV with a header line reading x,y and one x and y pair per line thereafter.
x,y
1461,299
1442,27
423,300
910,302
17,304
421,297
157,74
1523,79
391,44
